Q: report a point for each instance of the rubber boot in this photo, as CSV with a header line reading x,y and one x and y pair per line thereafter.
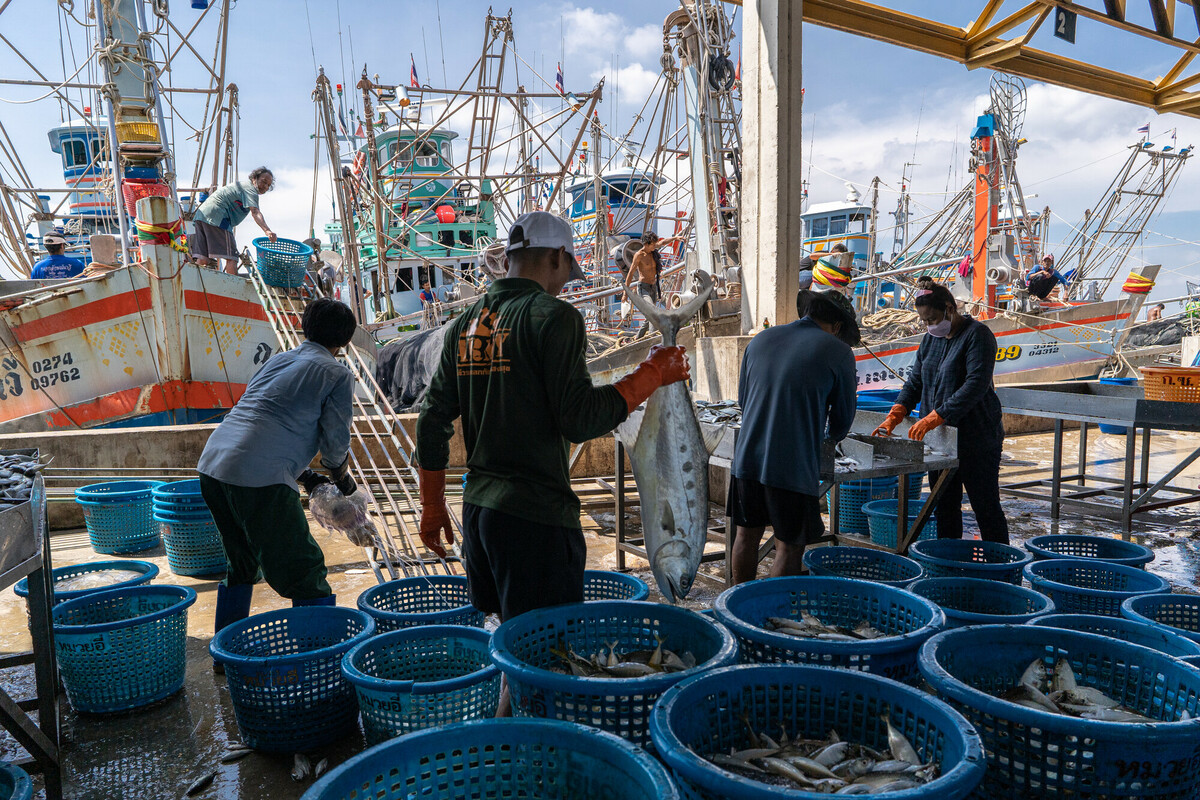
x,y
331,600
233,605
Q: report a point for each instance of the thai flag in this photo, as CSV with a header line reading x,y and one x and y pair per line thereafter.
x,y
558,80
412,73
1144,129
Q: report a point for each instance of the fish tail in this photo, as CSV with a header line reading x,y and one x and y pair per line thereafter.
x,y
668,322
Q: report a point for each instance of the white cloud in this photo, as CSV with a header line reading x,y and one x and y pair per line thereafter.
x,y
644,43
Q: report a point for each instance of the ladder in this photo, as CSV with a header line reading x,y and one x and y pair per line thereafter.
x,y
498,35
380,454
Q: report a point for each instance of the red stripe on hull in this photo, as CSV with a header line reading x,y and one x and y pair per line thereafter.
x,y
141,400
119,305
221,304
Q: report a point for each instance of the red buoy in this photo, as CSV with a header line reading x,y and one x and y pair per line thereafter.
x,y
445,214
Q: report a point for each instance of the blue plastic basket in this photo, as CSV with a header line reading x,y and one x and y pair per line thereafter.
x,y
193,545
853,495
185,491
604,585
704,715
122,648
1087,586
530,759
14,783
521,648
862,563
117,491
148,573
119,516
283,262
970,558
1119,430
1037,754
1126,630
883,514
423,600
1102,548
1178,613
744,609
972,601
284,670
417,678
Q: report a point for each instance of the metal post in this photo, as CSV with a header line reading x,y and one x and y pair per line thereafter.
x,y
1056,477
1145,457
114,153
619,483
1083,447
901,507
349,238
381,246
1127,489
158,110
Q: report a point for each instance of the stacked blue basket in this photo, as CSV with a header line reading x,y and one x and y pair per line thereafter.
x,y
122,648
853,495
284,670
1178,613
417,678
1102,548
863,563
709,714
119,516
603,585
972,601
882,516
423,600
970,558
146,573
909,620
1035,753
1088,586
522,646
1126,630
191,538
533,759
14,783
283,262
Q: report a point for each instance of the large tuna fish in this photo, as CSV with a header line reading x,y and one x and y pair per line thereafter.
x,y
670,463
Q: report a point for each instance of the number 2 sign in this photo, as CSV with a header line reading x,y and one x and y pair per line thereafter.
x,y
1064,24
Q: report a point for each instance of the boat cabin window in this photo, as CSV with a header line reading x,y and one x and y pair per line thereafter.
x,y
402,152
404,278
75,153
837,225
820,227
447,152
642,193
427,154
585,201
858,223
615,194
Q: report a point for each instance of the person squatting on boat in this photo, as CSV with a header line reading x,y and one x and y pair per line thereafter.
x,y
224,210
513,368
1045,279
952,379
797,386
300,403
56,265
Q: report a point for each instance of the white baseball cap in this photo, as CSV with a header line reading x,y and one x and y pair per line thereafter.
x,y
542,229
52,238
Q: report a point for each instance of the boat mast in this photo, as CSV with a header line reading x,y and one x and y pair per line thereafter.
x,y
381,245
324,98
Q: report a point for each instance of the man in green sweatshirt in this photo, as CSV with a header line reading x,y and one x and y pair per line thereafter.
x,y
513,368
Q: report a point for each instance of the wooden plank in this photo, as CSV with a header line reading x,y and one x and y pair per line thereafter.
x,y
1163,12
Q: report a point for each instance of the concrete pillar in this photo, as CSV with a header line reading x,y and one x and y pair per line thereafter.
x,y
771,173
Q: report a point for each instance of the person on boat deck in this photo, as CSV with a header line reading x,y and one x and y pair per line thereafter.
x,y
513,369
1155,314
808,262
796,387
298,404
223,211
1045,279
646,269
56,265
952,379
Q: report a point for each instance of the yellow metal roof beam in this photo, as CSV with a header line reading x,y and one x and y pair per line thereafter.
x,y
985,16
1115,9
1120,24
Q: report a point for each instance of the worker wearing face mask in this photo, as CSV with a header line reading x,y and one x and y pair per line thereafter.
x,y
952,379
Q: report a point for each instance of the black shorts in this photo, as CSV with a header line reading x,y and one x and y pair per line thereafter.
x,y
514,565
209,241
795,517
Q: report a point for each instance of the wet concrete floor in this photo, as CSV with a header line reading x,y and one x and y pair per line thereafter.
x,y
157,752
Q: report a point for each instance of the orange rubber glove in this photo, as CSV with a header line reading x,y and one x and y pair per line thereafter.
x,y
435,516
664,366
924,425
895,416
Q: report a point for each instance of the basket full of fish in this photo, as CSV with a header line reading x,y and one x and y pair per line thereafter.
x,y
1088,586
972,601
1155,637
798,731
1102,548
420,600
119,516
18,472
970,558
77,580
1071,715
604,663
863,563
840,622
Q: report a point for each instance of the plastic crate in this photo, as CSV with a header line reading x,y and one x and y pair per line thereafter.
x,y
531,759
744,609
704,715
1178,613
853,495
521,648
14,783
1087,586
284,671
135,190
283,262
972,601
137,131
193,544
417,678
122,648
970,558
1126,630
148,573
862,563
1101,548
423,600
882,516
1037,754
1174,384
604,585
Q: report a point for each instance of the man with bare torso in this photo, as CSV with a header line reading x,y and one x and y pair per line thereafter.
x,y
644,272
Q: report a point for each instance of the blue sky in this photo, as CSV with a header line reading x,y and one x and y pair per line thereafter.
x,y
869,107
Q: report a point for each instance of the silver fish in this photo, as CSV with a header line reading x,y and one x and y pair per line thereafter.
x,y
1035,675
301,767
902,749
200,784
235,753
1064,676
670,462
320,768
